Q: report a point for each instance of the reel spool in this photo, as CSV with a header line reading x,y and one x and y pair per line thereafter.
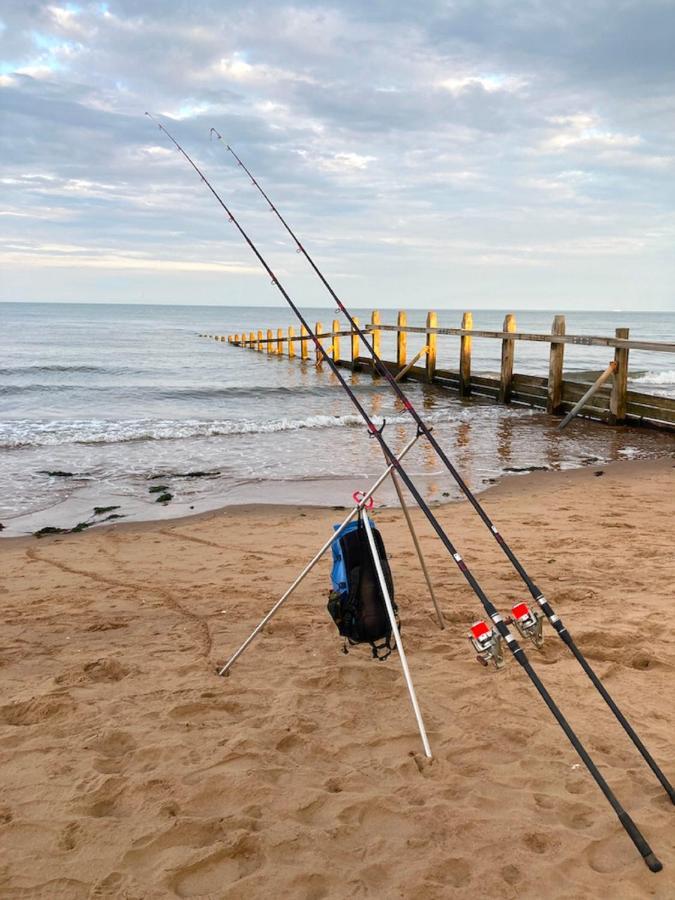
x,y
487,643
528,622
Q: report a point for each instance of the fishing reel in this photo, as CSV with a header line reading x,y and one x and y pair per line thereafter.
x,y
488,644
528,623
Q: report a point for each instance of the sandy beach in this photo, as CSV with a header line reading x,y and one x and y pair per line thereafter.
x,y
129,769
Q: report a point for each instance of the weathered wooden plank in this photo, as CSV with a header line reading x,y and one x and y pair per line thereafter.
x,y
508,350
318,332
304,345
555,367
402,340
432,322
465,357
650,400
375,332
617,404
585,340
354,345
651,413
335,342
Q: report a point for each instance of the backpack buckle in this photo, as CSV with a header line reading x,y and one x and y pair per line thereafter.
x,y
528,623
487,643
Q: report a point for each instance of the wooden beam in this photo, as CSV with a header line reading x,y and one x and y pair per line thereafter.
x,y
555,368
318,329
508,347
618,400
270,345
280,341
432,322
291,344
304,345
585,340
402,341
355,346
260,340
335,341
465,356
375,332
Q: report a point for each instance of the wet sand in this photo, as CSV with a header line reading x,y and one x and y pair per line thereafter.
x,y
129,769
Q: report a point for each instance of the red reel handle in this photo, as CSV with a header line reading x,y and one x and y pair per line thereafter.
x,y
357,496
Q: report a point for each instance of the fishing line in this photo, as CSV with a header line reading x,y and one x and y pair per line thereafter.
x,y
545,606
491,611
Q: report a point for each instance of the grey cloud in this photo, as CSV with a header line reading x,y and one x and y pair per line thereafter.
x,y
488,144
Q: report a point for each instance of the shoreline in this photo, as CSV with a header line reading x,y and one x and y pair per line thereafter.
x,y
499,486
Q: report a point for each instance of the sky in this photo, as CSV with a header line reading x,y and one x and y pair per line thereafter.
x,y
430,155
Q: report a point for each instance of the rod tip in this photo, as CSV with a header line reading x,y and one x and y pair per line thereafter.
x,y
653,863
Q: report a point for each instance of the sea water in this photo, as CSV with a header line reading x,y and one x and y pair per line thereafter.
x,y
123,399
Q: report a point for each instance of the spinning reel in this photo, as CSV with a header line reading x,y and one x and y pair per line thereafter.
x,y
528,622
487,642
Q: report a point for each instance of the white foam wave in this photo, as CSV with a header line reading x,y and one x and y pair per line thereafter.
x,y
25,433
665,377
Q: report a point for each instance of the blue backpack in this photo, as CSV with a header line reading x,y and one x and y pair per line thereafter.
x,y
355,602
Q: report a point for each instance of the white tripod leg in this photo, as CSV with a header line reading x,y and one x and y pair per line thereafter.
x,y
397,636
310,565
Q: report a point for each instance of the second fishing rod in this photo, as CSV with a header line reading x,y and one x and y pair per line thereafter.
x,y
535,592
519,654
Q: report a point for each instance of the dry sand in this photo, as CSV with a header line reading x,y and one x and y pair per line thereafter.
x,y
130,770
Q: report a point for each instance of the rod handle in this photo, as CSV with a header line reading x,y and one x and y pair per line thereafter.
x,y
635,835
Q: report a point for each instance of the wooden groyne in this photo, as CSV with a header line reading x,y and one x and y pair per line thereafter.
x,y
612,403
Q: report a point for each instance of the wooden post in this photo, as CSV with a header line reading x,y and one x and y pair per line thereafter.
x,y
401,341
508,347
280,341
555,368
432,322
618,399
251,340
230,338
465,357
335,343
375,334
355,345
270,343
318,329
304,345
291,344
236,339
260,340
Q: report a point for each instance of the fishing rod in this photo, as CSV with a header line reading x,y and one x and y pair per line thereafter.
x,y
525,620
491,611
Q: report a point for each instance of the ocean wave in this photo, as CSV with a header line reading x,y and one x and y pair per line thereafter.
x,y
665,377
22,370
187,392
21,434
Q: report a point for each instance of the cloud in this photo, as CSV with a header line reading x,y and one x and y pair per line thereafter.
x,y
436,144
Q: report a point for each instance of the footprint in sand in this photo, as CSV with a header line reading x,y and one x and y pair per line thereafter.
x,y
36,710
540,842
70,836
103,799
454,872
218,869
96,671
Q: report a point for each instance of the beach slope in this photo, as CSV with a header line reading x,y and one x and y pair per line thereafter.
x,y
129,769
